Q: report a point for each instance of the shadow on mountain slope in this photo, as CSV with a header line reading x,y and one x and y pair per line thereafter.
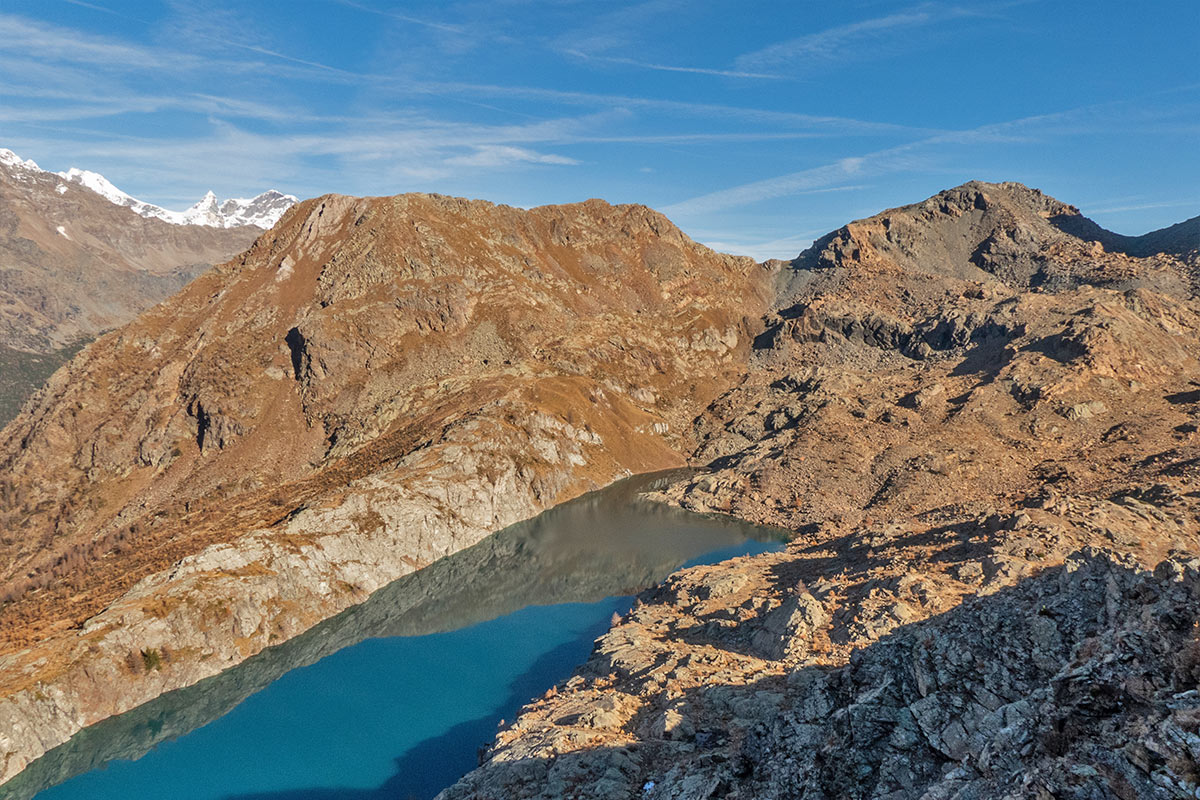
x,y
1078,682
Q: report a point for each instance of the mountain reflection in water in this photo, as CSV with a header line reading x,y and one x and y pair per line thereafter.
x,y
409,683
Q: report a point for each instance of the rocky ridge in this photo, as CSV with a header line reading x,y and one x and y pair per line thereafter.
x,y
375,384
979,414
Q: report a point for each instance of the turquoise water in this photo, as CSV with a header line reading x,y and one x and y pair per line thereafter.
x,y
388,717
395,697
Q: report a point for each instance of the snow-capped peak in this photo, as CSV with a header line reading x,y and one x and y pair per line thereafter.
x,y
101,186
205,212
11,159
262,211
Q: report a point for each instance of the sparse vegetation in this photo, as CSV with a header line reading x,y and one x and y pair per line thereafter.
x,y
152,659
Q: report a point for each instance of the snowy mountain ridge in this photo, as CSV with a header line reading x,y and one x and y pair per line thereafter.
x,y
262,211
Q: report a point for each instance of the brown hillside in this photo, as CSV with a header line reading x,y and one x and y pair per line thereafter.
x,y
375,384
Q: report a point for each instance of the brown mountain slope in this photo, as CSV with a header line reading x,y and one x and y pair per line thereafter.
x,y
376,383
73,264
984,431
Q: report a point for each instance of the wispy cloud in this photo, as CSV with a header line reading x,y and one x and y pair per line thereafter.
x,y
760,248
741,114
224,28
440,26
283,56
34,47
52,43
702,138
495,156
618,27
800,182
94,7
1144,207
906,157
75,77
785,248
632,62
609,38
837,42
402,153
67,60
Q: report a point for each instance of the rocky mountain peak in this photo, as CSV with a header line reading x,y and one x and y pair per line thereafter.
x,y
10,159
262,211
989,232
205,211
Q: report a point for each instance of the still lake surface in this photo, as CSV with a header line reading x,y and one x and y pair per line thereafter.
x,y
394,697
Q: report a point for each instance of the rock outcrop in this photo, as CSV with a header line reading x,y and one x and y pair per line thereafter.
x,y
375,384
1078,682
979,414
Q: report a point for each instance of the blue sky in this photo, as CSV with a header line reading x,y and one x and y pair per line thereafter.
x,y
754,126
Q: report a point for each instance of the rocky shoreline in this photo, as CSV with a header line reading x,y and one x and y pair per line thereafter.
x,y
979,415
757,678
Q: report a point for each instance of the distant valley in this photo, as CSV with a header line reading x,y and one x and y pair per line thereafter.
x,y
78,257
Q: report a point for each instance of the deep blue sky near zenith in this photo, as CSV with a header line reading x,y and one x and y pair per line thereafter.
x,y
754,126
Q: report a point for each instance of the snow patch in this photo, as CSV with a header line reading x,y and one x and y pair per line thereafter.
x,y
62,231
61,188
